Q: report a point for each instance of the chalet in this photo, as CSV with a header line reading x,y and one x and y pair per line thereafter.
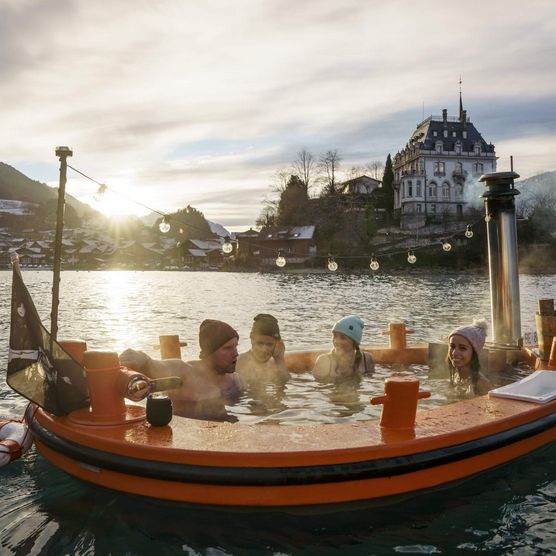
x,y
295,243
361,185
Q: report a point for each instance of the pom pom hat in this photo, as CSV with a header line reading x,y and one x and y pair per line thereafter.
x,y
474,333
351,326
213,334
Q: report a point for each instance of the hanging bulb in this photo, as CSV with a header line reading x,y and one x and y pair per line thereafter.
x,y
374,264
468,232
181,231
227,246
99,195
281,260
164,226
332,264
411,258
446,246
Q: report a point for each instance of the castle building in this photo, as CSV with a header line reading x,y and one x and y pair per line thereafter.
x,y
431,174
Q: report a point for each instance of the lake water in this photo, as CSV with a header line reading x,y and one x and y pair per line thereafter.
x,y
43,511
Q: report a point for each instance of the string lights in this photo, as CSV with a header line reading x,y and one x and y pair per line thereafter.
x,y
227,246
332,264
280,261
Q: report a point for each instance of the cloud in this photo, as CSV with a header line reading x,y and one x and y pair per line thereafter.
x,y
176,99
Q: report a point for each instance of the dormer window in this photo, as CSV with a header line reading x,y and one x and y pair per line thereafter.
x,y
454,134
464,134
445,133
458,147
435,133
477,148
439,146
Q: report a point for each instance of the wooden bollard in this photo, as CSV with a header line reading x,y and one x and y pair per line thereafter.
x,y
170,346
399,403
546,327
398,335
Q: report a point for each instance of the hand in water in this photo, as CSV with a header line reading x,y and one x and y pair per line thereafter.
x,y
135,360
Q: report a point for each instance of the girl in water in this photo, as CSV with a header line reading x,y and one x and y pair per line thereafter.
x,y
465,345
345,360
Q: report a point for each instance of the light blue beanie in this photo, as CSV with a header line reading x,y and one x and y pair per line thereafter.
x,y
351,326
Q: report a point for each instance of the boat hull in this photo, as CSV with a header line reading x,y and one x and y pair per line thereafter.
x,y
254,466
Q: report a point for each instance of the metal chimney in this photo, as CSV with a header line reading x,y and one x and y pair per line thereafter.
x,y
499,198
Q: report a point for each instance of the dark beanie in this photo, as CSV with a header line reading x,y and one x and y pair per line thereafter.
x,y
266,325
213,334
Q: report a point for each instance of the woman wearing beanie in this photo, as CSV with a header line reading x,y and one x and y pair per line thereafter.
x,y
264,362
465,345
345,360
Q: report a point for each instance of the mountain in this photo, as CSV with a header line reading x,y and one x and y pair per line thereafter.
x,y
18,187
218,229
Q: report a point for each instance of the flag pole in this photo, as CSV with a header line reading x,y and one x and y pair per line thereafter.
x,y
62,153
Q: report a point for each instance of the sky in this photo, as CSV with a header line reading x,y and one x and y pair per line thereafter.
x,y
181,102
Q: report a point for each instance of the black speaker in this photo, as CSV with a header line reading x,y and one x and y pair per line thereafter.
x,y
159,410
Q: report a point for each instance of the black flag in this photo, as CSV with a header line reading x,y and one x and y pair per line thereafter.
x,y
51,379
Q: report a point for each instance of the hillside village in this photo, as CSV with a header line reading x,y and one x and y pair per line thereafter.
x,y
425,195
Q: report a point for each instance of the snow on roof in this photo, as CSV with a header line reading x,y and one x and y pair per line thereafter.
x,y
287,232
197,252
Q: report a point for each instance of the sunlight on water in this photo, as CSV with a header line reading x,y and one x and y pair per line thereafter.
x,y
43,511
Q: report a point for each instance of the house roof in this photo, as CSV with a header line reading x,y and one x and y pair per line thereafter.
x,y
287,232
197,253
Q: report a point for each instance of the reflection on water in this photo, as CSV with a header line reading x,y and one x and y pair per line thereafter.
x,y
43,511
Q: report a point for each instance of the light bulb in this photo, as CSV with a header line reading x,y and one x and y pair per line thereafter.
x,y
446,246
411,258
374,264
332,264
164,226
281,261
99,195
227,246
468,232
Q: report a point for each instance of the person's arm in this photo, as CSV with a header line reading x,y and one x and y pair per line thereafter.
x,y
369,362
153,368
321,370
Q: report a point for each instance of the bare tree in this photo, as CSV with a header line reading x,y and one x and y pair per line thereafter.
x,y
375,169
329,164
304,167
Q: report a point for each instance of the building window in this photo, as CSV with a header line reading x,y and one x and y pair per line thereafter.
x,y
439,146
418,182
459,169
464,134
445,133
445,190
439,168
453,134
459,191
433,208
432,189
458,147
435,133
477,148
418,189
409,189
478,167
418,207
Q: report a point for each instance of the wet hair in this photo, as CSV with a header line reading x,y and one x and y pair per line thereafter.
x,y
475,368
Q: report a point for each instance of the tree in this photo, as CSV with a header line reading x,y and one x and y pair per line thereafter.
x,y
329,164
387,189
292,207
304,167
375,169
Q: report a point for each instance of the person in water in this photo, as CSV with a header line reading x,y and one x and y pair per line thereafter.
x,y
207,384
465,345
345,360
264,362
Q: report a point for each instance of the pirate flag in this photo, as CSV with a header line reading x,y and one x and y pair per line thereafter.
x,y
45,375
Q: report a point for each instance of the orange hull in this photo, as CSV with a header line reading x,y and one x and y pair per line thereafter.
x,y
268,466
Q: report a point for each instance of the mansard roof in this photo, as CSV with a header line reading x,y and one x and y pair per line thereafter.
x,y
424,134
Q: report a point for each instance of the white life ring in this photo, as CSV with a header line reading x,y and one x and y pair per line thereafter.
x,y
15,440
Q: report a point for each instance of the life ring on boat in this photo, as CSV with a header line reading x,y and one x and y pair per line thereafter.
x,y
15,440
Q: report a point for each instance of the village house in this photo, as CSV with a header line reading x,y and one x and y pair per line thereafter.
x,y
295,243
433,171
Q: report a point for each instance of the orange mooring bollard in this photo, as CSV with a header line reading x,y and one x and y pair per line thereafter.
x,y
398,335
170,346
104,379
76,348
399,403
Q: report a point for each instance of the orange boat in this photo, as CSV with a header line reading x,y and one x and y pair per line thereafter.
x,y
111,444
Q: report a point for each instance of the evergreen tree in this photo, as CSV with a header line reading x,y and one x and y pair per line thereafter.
x,y
388,186
292,207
